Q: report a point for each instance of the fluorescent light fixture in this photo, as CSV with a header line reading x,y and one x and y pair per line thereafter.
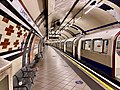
x,y
90,8
57,32
97,3
52,28
77,19
66,27
70,24
89,4
62,31
66,13
73,21
100,4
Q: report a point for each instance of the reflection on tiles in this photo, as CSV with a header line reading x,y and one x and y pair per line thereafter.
x,y
55,74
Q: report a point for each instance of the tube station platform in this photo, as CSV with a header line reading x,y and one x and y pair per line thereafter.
x,y
56,72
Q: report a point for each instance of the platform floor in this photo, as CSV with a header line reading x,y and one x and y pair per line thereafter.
x,y
55,74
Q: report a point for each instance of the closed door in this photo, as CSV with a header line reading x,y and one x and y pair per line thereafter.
x,y
76,49
117,58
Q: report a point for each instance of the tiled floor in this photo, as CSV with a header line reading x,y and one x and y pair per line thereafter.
x,y
55,74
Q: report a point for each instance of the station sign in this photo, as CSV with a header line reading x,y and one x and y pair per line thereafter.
x,y
20,9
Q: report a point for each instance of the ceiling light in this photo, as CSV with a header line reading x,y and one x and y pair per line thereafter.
x,y
89,4
70,24
66,27
97,2
90,8
77,19
52,28
62,31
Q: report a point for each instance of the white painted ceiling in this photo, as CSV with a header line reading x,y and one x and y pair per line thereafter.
x,y
57,9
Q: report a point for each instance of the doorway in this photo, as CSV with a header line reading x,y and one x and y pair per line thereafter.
x,y
117,58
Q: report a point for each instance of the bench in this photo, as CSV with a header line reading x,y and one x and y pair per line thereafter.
x,y
23,79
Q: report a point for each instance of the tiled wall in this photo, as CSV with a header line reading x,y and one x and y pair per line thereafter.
x,y
12,35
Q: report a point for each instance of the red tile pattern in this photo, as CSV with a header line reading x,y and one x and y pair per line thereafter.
x,y
9,30
5,43
16,43
12,35
10,49
24,30
18,27
19,33
25,35
5,20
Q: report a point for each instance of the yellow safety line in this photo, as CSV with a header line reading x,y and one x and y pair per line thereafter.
x,y
107,86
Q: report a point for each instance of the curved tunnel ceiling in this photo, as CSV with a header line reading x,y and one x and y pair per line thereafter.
x,y
99,13
98,16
